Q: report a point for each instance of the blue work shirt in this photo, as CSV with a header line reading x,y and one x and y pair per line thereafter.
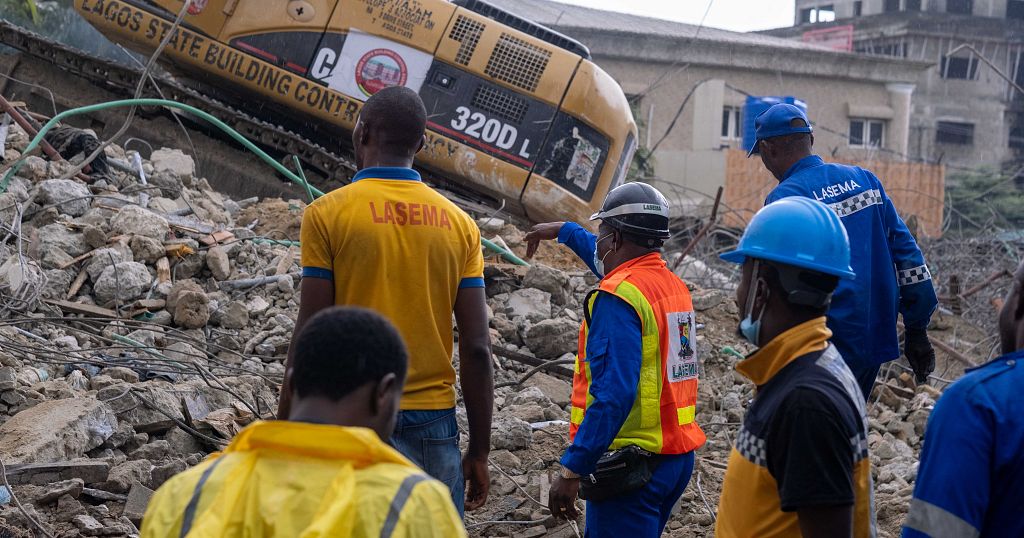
x,y
891,273
971,478
615,375
582,243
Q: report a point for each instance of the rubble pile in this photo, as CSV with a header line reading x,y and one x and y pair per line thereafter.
x,y
142,327
143,322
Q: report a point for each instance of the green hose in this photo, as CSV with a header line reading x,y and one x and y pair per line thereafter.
x,y
155,102
507,255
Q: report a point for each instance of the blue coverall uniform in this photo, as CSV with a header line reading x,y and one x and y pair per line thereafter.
x,y
971,479
891,277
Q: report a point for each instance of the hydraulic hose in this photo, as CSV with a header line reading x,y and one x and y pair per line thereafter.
x,y
38,139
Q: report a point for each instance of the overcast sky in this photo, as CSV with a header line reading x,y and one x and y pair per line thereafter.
x,y
737,15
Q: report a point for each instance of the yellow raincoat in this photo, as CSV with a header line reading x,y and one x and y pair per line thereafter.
x,y
294,479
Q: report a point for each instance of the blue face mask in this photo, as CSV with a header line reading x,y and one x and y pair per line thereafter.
x,y
599,262
749,327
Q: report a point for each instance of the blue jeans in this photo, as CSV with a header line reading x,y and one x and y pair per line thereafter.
x,y
644,512
431,440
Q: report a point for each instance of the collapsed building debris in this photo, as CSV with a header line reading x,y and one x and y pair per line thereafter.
x,y
142,325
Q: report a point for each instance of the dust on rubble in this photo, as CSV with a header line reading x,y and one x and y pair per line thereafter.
x,y
274,218
143,327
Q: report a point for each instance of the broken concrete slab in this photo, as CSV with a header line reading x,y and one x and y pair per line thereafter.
x,y
140,415
56,430
136,503
530,303
552,338
135,220
124,475
125,282
554,389
88,471
51,492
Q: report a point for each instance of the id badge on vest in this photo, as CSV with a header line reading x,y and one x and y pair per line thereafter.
x,y
682,347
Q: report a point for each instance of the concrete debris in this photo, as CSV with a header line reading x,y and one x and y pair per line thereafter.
x,y
163,354
56,430
71,197
135,220
122,282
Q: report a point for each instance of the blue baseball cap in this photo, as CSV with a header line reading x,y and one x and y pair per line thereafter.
x,y
775,122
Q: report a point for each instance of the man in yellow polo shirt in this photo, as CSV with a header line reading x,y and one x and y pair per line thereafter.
x,y
390,243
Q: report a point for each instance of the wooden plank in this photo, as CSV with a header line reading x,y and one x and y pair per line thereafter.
x,y
83,257
148,304
216,237
163,270
85,309
77,283
285,264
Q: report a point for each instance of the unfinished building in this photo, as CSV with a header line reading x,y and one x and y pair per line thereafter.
x,y
965,113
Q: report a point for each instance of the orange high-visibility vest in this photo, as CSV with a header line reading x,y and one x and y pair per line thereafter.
x,y
662,417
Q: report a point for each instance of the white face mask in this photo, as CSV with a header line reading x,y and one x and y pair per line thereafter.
x,y
599,263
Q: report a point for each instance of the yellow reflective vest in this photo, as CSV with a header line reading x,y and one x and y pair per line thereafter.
x,y
293,479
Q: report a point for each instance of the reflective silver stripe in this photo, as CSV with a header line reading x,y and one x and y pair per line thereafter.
x,y
632,209
938,522
913,275
398,503
193,503
855,203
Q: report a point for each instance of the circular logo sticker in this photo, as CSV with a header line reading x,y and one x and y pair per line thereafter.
x,y
197,7
379,69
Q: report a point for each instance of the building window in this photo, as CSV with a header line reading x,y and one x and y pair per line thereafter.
x,y
1017,135
913,5
732,123
1019,78
858,8
1015,9
891,6
818,14
866,133
882,48
959,67
960,7
952,132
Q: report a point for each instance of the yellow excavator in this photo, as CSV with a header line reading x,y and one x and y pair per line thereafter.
x,y
516,111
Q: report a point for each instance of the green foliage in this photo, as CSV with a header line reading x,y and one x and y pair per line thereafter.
x,y
984,199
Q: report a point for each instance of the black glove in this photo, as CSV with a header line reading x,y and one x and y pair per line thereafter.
x,y
919,353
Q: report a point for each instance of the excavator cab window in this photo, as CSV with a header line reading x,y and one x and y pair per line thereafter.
x,y
574,156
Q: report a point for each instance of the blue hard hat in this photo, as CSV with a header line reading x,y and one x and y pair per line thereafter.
x,y
800,232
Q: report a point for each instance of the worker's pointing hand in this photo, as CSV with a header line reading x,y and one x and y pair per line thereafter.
x,y
544,231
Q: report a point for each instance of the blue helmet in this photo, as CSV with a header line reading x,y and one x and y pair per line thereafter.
x,y
799,232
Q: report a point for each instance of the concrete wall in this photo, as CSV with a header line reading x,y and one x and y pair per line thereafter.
x,y
691,156
982,102
844,8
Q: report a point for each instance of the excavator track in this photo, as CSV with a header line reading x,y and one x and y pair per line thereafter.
x,y
121,79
